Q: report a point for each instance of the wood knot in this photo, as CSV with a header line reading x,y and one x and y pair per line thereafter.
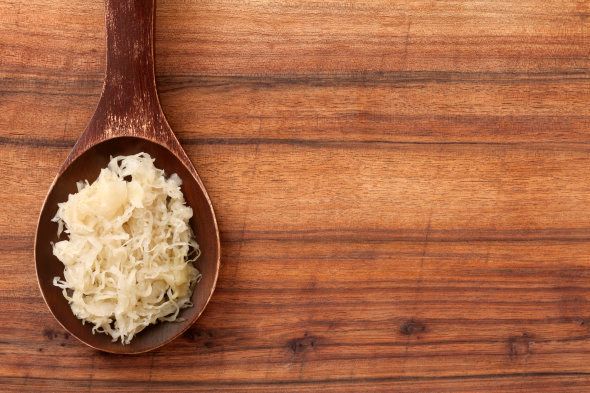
x,y
520,346
412,327
580,321
203,336
198,334
302,344
51,334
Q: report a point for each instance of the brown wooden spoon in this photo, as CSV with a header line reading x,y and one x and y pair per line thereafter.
x,y
128,120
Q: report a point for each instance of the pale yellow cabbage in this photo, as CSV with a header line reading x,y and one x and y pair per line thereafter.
x,y
128,262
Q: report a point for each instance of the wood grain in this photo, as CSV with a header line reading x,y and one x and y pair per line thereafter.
x,y
401,189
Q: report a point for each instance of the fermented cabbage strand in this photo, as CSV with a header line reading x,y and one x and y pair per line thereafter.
x,y
128,259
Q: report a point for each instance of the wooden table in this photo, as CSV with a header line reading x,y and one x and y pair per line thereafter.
x,y
402,190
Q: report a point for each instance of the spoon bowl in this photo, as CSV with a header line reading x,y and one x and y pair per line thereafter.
x,y
128,120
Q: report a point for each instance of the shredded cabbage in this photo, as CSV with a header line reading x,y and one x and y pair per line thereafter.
x,y
129,257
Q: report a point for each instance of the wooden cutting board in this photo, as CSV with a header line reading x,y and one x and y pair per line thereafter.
x,y
402,190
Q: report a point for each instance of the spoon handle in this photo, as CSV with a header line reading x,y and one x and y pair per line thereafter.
x,y
130,85
129,104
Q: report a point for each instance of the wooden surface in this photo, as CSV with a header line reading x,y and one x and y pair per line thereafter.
x,y
402,190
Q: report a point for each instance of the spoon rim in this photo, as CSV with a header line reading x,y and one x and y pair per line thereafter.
x,y
188,323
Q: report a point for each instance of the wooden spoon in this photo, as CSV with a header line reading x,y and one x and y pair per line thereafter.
x,y
128,120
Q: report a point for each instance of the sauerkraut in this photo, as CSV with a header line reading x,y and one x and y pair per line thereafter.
x,y
128,259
